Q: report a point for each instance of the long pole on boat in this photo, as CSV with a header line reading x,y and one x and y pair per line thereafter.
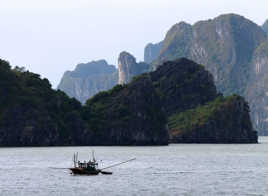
x,y
118,164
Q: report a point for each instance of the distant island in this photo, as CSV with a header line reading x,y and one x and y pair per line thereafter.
x,y
231,47
177,103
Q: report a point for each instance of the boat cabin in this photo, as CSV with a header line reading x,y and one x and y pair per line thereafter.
x,y
89,164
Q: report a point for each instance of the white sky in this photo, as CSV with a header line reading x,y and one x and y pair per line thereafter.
x,y
51,36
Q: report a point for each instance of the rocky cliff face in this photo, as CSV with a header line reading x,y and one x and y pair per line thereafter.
x,y
128,68
224,45
181,91
88,79
33,114
151,52
227,47
225,120
196,112
257,90
265,26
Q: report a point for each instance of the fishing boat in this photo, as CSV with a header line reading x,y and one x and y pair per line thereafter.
x,y
90,167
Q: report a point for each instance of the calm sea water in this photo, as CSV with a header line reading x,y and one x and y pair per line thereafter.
x,y
181,169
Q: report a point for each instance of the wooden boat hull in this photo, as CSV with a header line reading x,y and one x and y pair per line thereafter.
x,y
80,171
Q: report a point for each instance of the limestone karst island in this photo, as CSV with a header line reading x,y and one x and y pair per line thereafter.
x,y
127,98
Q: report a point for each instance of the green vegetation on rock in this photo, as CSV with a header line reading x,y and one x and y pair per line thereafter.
x,y
211,123
33,114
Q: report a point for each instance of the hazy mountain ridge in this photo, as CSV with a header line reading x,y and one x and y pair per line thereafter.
x,y
151,51
88,79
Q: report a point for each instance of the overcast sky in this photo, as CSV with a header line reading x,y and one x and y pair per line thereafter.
x,y
51,36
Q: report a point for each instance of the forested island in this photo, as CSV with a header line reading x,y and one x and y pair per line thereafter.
x,y
176,103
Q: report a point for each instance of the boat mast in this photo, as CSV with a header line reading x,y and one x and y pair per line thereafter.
x,y
74,160
93,157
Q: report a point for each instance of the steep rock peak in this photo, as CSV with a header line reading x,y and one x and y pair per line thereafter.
x,y
128,67
182,25
179,27
125,63
179,35
126,58
230,16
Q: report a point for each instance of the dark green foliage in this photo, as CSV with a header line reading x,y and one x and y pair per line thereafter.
x,y
183,84
130,112
31,109
8,85
190,119
104,94
35,115
185,92
32,114
224,120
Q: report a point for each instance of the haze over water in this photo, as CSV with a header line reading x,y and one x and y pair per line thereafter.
x,y
178,169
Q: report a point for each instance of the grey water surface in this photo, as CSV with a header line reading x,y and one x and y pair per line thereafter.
x,y
177,169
